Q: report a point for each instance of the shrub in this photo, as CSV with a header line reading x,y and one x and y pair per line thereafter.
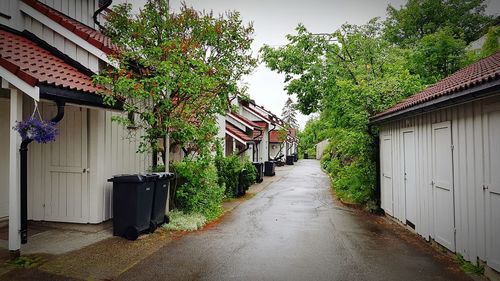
x,y
249,177
228,170
348,160
198,191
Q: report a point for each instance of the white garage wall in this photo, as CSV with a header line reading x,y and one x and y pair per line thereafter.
x,y
4,160
470,212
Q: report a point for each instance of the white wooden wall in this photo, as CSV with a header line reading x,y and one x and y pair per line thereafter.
x,y
4,159
474,219
110,150
64,45
81,10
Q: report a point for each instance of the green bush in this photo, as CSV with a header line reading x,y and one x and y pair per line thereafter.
x,y
349,161
249,176
229,169
198,190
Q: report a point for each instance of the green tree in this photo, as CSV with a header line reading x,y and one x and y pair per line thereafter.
x,y
289,114
417,18
347,76
175,71
438,55
491,44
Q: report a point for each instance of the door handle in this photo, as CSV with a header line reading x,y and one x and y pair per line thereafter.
x,y
485,187
86,170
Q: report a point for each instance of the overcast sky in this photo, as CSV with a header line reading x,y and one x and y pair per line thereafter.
x,y
273,19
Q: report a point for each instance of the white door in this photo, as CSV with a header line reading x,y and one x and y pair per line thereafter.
x,y
409,177
491,136
387,200
442,167
66,188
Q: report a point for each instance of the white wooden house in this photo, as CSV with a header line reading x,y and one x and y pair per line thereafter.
x,y
48,52
440,162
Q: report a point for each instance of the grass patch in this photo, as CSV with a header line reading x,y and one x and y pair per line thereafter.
x,y
26,262
187,222
468,266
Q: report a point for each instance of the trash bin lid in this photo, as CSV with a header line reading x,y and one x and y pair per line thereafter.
x,y
164,175
133,178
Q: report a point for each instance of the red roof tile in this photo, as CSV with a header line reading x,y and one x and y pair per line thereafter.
x,y
478,73
274,136
36,65
237,132
261,124
87,33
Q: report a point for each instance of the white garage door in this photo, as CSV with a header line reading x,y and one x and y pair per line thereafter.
x,y
409,163
386,192
442,167
491,186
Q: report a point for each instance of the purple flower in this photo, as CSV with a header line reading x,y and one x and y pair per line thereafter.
x,y
40,131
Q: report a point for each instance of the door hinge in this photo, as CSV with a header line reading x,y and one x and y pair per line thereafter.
x,y
485,187
432,182
452,147
455,230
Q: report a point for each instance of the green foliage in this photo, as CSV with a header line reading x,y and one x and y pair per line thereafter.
x,y
26,262
185,221
491,45
465,19
229,169
249,175
198,191
468,267
175,70
438,55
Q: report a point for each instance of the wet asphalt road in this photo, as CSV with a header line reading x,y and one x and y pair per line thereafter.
x,y
294,230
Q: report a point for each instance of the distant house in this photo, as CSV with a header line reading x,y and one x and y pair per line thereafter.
x,y
440,161
48,53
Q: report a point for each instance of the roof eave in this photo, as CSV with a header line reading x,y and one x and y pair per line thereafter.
x,y
75,97
478,92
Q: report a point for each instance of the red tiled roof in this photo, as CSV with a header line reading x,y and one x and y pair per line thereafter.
x,y
261,124
274,136
246,121
237,132
87,33
478,73
35,65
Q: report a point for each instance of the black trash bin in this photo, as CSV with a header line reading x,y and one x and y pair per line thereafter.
x,y
259,166
269,167
295,157
241,189
162,186
132,203
289,159
306,155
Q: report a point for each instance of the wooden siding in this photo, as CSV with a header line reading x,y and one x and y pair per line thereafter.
x,y
80,10
110,150
4,160
62,44
468,174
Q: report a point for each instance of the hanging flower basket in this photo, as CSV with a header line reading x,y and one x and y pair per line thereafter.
x,y
38,130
